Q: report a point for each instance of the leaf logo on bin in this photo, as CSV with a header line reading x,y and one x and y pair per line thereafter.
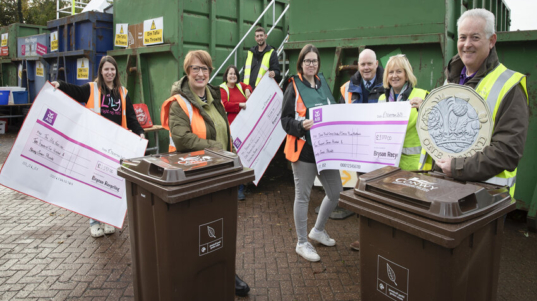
x,y
211,232
391,273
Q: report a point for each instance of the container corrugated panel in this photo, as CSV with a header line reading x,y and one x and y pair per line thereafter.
x,y
8,69
517,51
86,35
214,26
16,31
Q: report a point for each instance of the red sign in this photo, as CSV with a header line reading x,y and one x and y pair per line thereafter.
x,y
4,51
41,49
142,114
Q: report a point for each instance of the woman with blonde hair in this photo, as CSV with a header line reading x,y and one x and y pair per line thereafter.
x,y
400,84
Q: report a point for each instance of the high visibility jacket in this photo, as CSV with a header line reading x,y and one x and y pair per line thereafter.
x,y
347,95
94,102
226,88
293,144
345,92
411,147
265,65
493,88
196,120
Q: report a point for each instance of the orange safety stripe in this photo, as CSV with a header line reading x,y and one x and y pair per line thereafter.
x,y
91,103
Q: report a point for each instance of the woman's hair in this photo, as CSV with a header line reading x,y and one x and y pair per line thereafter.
x,y
203,56
400,61
236,72
305,50
100,80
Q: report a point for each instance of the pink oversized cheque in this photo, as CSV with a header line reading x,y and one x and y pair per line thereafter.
x,y
359,137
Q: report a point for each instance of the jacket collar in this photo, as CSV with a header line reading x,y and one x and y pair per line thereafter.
x,y
187,93
356,79
255,50
455,67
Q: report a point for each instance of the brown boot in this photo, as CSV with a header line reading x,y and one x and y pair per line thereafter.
x,y
355,245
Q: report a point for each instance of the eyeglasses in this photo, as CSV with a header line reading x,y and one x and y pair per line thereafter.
x,y
197,69
311,62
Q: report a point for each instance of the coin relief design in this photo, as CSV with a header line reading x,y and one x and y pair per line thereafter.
x,y
454,121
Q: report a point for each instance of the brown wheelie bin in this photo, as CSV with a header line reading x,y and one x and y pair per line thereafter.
x,y
425,238
182,211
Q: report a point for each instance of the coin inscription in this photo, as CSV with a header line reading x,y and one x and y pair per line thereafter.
x,y
454,121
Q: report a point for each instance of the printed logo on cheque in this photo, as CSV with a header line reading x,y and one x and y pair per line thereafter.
x,y
317,115
50,117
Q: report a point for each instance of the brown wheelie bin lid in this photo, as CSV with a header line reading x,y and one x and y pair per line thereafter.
x,y
430,196
177,169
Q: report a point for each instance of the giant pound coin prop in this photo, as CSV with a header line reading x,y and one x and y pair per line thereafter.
x,y
454,122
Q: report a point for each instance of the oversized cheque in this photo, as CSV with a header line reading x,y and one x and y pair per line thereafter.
x,y
359,137
257,131
67,155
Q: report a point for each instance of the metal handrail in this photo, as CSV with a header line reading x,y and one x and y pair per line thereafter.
x,y
234,52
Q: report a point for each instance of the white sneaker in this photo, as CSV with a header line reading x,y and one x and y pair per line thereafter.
x,y
108,229
96,230
322,237
307,251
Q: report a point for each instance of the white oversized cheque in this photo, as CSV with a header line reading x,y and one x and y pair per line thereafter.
x,y
359,137
67,155
257,131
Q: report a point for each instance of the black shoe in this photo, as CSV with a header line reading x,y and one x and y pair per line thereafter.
x,y
241,288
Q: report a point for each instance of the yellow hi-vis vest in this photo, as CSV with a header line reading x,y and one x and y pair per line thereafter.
x,y
265,65
226,88
410,156
493,89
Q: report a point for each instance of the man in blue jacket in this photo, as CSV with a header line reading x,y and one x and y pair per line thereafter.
x,y
366,85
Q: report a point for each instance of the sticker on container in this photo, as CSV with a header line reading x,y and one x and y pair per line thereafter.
x,y
122,35
4,39
20,71
40,49
82,68
39,70
4,51
392,279
153,31
53,41
211,237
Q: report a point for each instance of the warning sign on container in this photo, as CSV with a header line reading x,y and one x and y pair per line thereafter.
x,y
4,39
153,31
392,279
82,68
20,71
122,35
39,70
211,237
53,41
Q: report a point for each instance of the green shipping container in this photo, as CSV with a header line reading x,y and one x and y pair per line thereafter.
x,y
214,26
428,37
8,69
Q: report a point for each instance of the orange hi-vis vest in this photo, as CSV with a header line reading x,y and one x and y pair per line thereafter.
x,y
345,92
197,124
94,102
294,145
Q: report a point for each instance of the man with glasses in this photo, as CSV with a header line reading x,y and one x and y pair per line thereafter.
x,y
261,58
365,85
476,65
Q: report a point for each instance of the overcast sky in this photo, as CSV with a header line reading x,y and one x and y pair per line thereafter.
x,y
523,14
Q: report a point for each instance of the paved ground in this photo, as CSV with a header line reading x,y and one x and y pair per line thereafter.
x,y
46,253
